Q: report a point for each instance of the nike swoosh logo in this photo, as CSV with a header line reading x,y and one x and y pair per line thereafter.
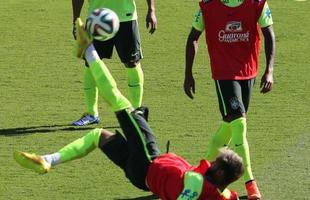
x,y
134,54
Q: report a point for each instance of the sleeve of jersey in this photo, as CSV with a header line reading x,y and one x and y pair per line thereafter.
x,y
193,183
265,18
198,22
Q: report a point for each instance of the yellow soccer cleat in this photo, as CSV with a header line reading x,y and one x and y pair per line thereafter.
x,y
32,161
83,40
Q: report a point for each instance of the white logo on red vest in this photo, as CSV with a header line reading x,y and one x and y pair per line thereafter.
x,y
233,26
233,32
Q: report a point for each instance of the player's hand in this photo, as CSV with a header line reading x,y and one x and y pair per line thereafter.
x,y
151,21
229,195
189,86
233,195
266,82
74,30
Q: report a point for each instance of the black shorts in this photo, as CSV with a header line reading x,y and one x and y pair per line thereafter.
x,y
234,96
126,42
134,152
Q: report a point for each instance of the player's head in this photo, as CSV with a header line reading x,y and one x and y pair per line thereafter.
x,y
227,168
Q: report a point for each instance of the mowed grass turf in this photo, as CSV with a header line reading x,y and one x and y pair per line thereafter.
x,y
41,93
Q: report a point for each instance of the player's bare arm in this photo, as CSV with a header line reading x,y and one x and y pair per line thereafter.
x,y
270,44
76,10
191,51
151,20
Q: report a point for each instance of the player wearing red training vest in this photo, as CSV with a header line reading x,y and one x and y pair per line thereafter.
x,y
166,174
136,152
236,33
232,32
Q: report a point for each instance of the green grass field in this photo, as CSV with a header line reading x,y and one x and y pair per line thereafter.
x,y
41,93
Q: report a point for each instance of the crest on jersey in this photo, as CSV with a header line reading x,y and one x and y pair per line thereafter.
x,y
233,26
234,103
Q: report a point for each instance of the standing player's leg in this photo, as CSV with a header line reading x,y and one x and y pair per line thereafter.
x,y
104,50
220,139
222,136
233,106
251,185
91,116
127,43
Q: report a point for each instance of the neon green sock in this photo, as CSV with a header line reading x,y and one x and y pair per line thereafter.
x,y
80,147
241,147
91,93
107,86
135,85
220,139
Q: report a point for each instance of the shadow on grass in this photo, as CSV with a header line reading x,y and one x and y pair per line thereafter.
x,y
44,129
148,197
153,197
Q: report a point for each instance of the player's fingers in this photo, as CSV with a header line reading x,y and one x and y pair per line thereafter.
x,y
262,87
188,92
74,31
261,83
153,27
266,88
147,24
269,86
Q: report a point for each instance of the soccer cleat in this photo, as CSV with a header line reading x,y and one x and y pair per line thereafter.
x,y
83,40
86,120
252,190
32,161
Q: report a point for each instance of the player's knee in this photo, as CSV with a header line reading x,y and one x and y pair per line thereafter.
x,y
105,137
131,64
238,127
231,117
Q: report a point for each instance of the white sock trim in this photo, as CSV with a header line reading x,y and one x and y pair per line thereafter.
x,y
52,159
91,54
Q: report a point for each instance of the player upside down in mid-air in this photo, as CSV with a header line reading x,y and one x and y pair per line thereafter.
x,y
168,176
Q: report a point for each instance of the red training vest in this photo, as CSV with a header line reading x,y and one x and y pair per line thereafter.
x,y
165,177
232,37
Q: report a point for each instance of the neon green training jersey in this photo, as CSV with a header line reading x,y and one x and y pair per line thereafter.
x,y
264,20
125,9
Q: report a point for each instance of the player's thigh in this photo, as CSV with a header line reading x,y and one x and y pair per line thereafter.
x,y
247,88
140,138
128,43
229,95
142,146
